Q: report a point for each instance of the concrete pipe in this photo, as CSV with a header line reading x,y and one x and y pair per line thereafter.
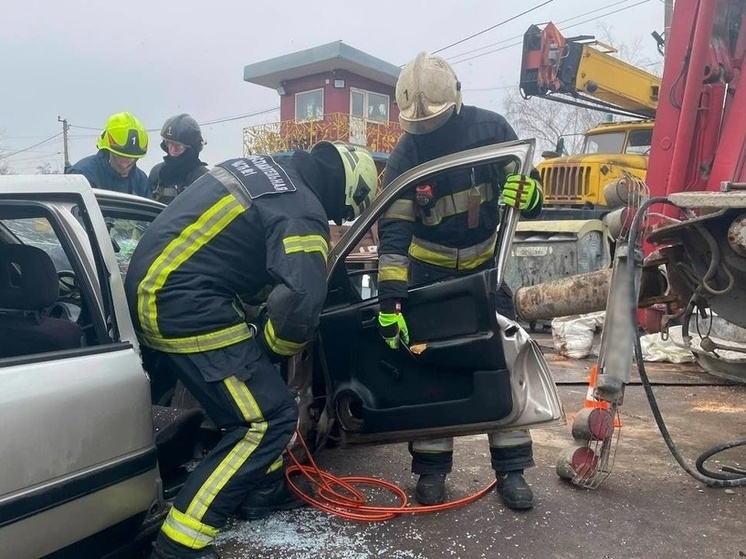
x,y
579,294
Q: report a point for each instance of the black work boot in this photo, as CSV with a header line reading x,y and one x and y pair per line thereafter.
x,y
271,496
206,553
514,491
431,489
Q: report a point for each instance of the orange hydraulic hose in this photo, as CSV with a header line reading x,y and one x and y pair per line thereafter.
x,y
339,496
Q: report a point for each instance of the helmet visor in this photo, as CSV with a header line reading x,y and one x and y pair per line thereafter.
x,y
439,115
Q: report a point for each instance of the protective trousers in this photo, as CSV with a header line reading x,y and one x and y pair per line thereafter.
x,y
258,416
509,450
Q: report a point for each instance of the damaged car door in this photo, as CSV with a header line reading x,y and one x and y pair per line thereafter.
x,y
467,369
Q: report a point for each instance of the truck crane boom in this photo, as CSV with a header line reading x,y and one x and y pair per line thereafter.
x,y
584,71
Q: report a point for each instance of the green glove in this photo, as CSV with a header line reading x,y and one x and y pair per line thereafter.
x,y
393,328
522,192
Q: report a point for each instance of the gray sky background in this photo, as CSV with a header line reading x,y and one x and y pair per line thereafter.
x,y
155,58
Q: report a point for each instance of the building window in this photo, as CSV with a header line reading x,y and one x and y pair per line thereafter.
x,y
309,105
369,105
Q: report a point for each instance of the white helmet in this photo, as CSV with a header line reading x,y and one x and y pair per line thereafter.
x,y
428,93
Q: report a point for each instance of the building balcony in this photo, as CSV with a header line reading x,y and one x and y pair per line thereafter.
x,y
289,135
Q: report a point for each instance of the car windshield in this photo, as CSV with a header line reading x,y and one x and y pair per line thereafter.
x,y
125,234
610,142
639,141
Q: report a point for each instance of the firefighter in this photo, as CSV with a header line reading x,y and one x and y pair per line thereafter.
x,y
437,233
123,141
253,230
182,141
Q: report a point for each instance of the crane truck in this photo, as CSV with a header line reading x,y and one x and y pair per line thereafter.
x,y
575,232
684,248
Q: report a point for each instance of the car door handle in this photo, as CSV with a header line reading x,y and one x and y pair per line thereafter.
x,y
369,319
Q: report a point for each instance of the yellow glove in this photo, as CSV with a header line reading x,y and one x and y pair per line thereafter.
x,y
522,192
393,328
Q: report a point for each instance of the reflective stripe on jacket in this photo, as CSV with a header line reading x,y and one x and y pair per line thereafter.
x,y
440,233
218,246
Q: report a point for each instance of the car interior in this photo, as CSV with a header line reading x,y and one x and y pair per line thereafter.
x,y
48,311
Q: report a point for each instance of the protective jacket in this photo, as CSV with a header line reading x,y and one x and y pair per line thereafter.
x,y
451,222
98,171
171,177
251,230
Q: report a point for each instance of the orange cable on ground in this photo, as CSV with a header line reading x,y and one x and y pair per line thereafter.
x,y
350,502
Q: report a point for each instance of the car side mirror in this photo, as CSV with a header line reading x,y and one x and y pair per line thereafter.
x,y
549,154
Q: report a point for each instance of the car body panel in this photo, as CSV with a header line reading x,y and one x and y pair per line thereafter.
x,y
78,443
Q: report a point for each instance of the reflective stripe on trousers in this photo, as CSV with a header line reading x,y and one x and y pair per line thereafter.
x,y
258,418
497,439
509,451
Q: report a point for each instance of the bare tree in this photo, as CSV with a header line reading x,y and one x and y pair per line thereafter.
x,y
5,168
547,121
48,169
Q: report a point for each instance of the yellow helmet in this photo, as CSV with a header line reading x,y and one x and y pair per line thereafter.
x,y
427,93
361,175
124,135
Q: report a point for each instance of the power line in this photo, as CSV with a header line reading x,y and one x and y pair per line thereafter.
x,y
568,27
239,117
6,156
493,27
502,41
84,127
205,123
34,158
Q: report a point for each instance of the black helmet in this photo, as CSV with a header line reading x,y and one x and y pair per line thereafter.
x,y
183,129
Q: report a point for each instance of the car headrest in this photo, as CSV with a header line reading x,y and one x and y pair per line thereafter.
x,y
28,279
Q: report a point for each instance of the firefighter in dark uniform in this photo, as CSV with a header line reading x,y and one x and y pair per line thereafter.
x,y
181,166
445,229
253,229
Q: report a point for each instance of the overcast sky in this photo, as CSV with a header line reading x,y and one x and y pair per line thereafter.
x,y
84,61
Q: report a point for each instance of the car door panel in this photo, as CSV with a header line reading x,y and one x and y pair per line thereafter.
x,y
458,376
81,430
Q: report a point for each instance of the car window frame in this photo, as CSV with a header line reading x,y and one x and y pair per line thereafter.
x,y
522,150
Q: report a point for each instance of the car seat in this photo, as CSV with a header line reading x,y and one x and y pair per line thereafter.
x,y
29,286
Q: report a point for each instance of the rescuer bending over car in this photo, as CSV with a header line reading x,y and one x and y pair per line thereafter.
x,y
253,230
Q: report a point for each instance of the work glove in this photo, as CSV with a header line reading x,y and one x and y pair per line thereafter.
x,y
259,324
393,327
522,192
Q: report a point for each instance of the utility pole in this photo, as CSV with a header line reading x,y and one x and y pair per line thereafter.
x,y
65,128
667,17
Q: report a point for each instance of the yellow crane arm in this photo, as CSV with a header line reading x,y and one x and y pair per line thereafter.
x,y
585,69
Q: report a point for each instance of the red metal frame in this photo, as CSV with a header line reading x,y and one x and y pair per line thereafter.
x,y
699,137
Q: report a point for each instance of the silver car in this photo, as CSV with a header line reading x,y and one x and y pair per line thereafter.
x,y
90,461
